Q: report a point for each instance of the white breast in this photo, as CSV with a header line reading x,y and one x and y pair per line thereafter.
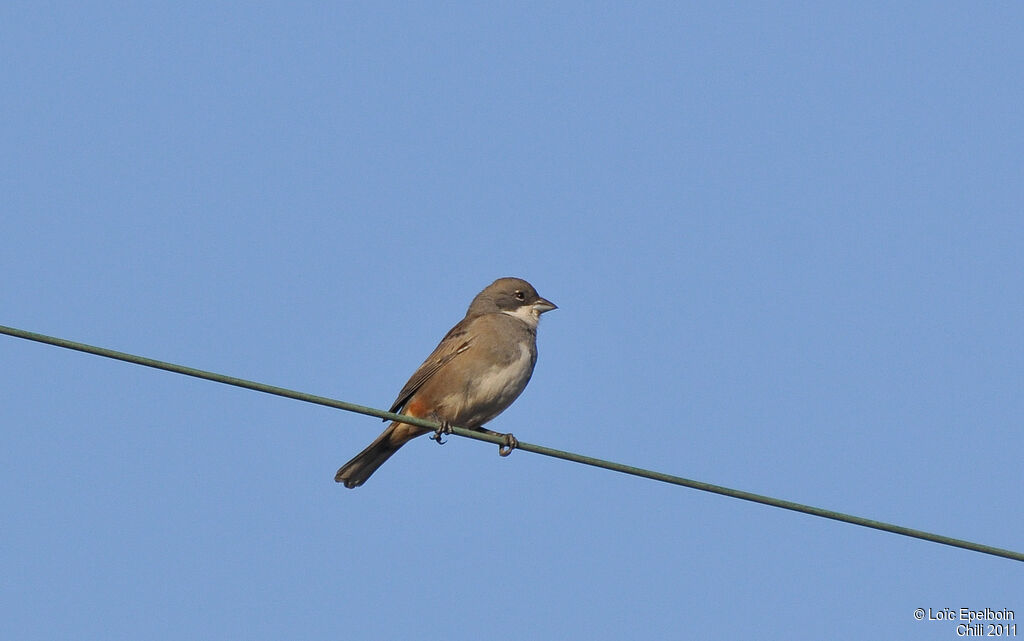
x,y
500,382
490,393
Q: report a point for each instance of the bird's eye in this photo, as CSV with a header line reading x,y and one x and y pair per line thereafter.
x,y
520,295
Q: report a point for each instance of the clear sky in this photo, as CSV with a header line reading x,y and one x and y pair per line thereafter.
x,y
786,244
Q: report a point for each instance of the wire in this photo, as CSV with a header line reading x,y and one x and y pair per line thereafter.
x,y
528,447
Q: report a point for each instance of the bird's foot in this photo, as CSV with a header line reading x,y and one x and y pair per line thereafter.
x,y
444,428
509,443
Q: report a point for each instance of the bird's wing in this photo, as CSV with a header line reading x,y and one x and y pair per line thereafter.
x,y
455,342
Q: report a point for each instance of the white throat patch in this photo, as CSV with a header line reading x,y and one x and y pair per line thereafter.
x,y
528,314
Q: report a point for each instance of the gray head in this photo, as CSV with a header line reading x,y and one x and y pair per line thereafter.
x,y
512,296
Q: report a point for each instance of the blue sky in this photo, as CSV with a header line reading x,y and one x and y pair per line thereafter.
x,y
785,241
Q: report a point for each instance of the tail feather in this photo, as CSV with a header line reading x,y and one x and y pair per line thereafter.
x,y
355,472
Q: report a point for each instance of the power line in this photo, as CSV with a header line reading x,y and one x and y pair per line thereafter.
x,y
528,447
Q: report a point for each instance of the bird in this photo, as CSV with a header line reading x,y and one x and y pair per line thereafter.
x,y
477,370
